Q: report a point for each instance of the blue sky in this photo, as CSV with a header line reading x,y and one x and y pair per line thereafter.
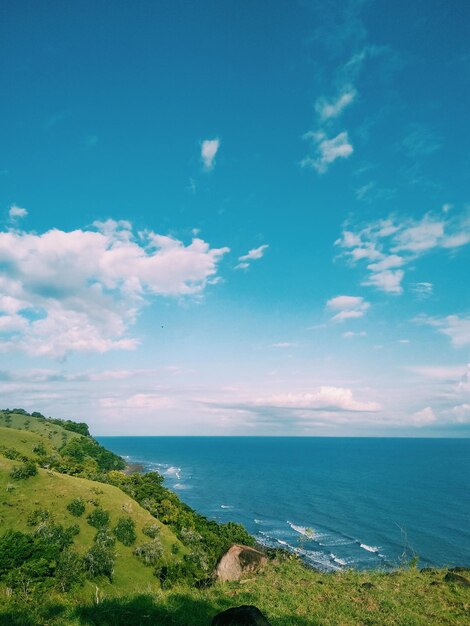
x,y
237,217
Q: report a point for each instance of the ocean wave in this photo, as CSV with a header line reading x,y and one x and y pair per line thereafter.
x,y
374,549
173,471
226,506
310,533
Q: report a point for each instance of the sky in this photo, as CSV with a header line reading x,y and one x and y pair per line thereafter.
x,y
237,217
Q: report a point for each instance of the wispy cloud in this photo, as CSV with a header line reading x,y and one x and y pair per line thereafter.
x,y
252,255
388,246
327,151
81,291
209,149
347,307
456,327
329,109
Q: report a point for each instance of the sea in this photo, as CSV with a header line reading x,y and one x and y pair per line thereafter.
x,y
336,502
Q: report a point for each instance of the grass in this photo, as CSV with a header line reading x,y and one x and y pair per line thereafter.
x,y
52,433
287,593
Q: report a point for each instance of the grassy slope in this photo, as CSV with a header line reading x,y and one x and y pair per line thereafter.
x,y
54,491
50,433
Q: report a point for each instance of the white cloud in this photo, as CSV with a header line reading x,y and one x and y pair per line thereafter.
x,y
454,326
348,307
423,417
392,244
17,212
209,149
439,372
327,151
322,399
388,281
253,255
82,290
350,334
284,344
328,109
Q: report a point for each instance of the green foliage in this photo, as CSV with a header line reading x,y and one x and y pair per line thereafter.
x,y
38,516
76,427
23,471
69,571
15,548
76,507
98,518
12,454
151,530
150,553
99,561
125,531
105,538
40,449
85,456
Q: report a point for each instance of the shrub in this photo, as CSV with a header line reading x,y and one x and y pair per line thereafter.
x,y
15,548
38,516
23,471
98,518
125,531
151,530
99,561
39,449
76,507
104,538
151,552
69,571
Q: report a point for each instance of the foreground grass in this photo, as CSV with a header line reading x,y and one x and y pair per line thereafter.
x,y
287,593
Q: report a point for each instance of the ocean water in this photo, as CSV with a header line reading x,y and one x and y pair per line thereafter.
x,y
338,502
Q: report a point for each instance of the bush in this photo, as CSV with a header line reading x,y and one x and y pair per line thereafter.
x,y
99,518
151,530
99,561
15,548
125,531
104,538
69,571
150,553
38,516
23,471
76,507
39,449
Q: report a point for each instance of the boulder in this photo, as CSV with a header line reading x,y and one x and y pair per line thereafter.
x,y
246,615
451,577
239,560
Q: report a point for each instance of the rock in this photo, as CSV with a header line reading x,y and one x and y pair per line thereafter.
x,y
246,615
435,583
239,560
368,585
451,577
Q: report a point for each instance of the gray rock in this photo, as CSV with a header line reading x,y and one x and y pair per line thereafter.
x,y
246,615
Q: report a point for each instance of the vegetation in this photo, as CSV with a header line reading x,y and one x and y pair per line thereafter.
x,y
82,542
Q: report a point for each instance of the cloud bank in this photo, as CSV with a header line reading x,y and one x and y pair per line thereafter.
x,y
81,291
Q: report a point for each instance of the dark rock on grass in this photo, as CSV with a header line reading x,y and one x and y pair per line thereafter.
x,y
435,583
368,585
239,560
246,615
451,577
428,570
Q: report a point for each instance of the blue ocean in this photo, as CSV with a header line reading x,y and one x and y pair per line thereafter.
x,y
337,502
